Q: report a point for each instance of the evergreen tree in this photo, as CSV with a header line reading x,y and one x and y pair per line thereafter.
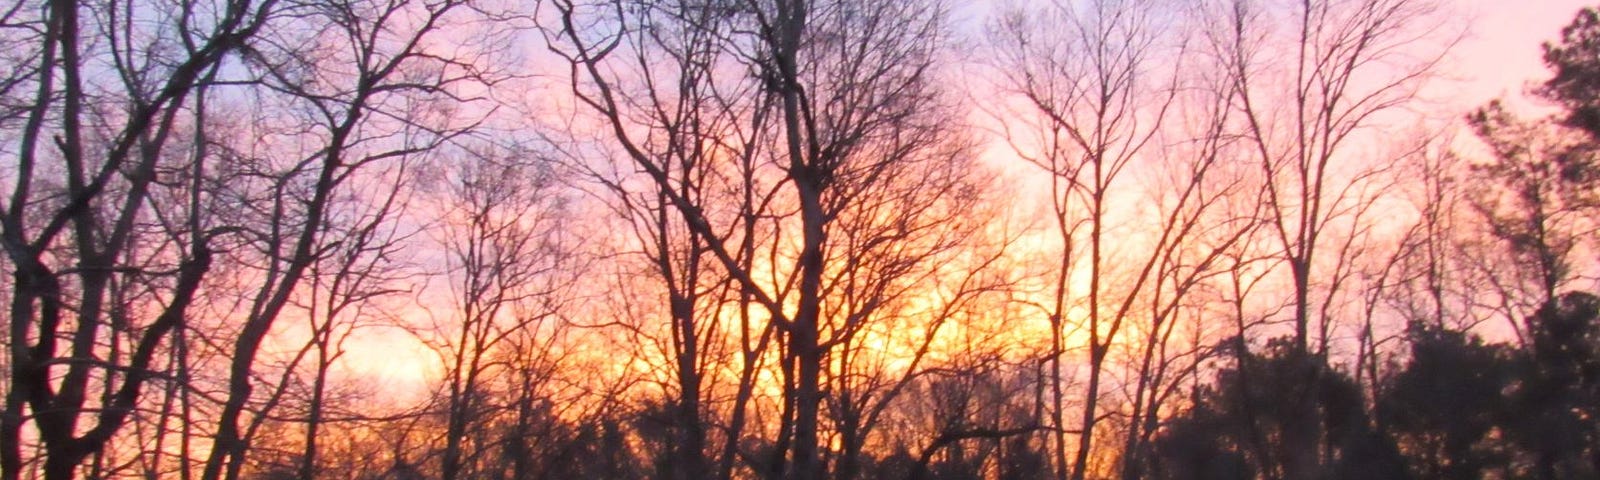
x,y
1444,406
1245,426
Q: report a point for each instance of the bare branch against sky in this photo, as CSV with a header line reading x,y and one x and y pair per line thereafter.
x,y
800,239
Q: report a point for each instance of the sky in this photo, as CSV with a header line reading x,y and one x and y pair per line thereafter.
x,y
1500,55
1497,58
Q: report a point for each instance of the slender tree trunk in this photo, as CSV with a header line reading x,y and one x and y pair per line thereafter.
x,y
228,449
806,172
692,437
319,384
804,334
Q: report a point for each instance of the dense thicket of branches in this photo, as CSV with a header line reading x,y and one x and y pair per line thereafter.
x,y
788,239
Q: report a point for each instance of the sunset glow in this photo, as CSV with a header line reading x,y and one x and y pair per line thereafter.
x,y
800,240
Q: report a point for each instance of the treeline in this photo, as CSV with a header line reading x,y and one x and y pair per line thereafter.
x,y
788,239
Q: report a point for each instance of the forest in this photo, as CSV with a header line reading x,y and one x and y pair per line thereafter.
x,y
791,239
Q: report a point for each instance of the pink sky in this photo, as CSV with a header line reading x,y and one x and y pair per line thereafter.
x,y
1501,52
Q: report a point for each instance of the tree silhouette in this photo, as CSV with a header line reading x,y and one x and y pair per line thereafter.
x,y
773,247
1557,396
1245,426
1576,84
1444,406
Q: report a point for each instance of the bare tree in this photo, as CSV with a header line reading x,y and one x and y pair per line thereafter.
x,y
363,84
702,129
1533,201
913,259
1304,95
345,287
976,423
840,77
508,263
1090,94
1301,124
75,215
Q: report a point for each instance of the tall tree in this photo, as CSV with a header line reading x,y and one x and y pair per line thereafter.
x,y
87,159
703,133
1100,102
1304,95
362,84
841,79
1531,201
508,265
346,288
